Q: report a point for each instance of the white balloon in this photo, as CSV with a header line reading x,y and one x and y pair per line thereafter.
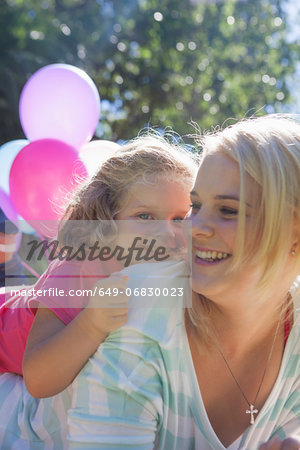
x,y
8,152
95,153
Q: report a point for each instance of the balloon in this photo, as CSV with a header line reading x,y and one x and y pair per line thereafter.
x,y
60,102
95,153
10,211
7,207
24,226
41,176
8,152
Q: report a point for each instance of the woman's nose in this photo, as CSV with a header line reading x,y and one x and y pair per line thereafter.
x,y
202,225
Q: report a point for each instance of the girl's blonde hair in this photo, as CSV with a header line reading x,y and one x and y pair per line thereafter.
x,y
268,150
145,159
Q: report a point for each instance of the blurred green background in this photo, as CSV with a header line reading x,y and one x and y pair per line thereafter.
x,y
158,63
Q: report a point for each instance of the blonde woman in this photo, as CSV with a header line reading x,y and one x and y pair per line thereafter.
x,y
147,181
226,373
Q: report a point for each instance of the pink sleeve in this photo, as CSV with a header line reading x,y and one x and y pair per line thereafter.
x,y
17,311
57,286
67,285
16,319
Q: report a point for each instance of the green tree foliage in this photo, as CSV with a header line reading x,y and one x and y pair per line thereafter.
x,y
159,63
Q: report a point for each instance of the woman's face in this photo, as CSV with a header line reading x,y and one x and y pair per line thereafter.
x,y
214,215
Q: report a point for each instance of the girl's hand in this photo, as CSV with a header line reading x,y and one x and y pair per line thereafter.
x,y
108,309
277,444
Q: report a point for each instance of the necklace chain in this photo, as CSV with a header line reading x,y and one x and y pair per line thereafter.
x,y
252,409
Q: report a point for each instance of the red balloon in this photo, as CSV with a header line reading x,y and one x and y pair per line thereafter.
x,y
41,176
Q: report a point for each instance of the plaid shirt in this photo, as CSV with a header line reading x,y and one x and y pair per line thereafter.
x,y
139,390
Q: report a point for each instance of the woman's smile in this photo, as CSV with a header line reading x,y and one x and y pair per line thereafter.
x,y
204,256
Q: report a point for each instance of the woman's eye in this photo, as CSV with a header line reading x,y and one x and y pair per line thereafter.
x,y
226,211
178,219
145,216
195,207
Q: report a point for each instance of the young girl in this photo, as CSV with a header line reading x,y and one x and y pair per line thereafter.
x,y
148,180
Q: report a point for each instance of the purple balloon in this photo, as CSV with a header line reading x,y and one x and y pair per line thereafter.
x,y
60,102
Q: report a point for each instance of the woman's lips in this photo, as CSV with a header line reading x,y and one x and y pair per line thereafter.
x,y
205,256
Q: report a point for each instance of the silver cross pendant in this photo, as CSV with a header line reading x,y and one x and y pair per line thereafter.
x,y
252,411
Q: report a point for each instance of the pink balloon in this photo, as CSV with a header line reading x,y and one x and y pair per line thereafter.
x,y
41,176
60,102
95,153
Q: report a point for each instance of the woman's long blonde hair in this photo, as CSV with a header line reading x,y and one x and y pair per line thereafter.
x,y
268,150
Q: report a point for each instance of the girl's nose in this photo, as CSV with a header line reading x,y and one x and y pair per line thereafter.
x,y
170,234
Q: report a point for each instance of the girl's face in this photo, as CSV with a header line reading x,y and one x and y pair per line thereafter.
x,y
214,216
154,211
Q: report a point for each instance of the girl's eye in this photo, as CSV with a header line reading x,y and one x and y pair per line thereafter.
x,y
145,216
178,219
195,207
226,211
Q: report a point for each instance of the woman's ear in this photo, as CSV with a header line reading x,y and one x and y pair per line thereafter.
x,y
295,236
293,251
